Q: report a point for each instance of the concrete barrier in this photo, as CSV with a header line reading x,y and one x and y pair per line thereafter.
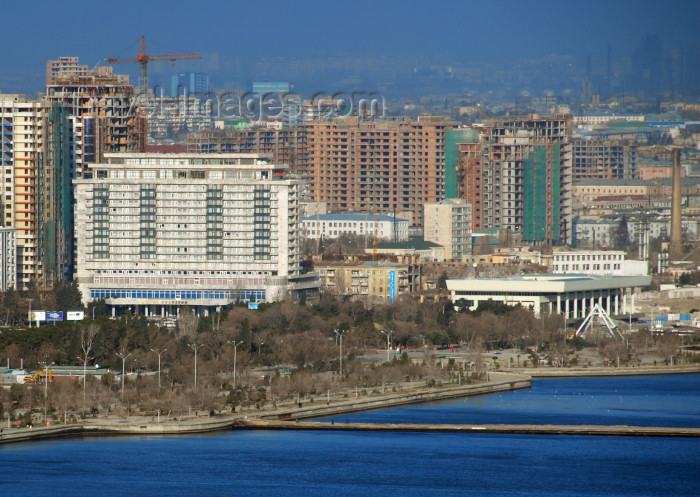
x,y
501,382
602,371
616,430
131,426
107,428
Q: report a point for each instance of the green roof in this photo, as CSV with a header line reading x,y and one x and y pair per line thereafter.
x,y
415,245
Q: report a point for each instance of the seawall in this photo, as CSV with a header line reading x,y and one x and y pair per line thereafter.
x,y
549,372
615,430
291,418
126,427
146,427
498,382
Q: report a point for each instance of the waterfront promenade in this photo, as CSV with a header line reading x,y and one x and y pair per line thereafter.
x,y
149,426
292,416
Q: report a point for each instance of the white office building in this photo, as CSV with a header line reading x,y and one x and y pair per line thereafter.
x,y
365,225
594,234
156,232
449,223
598,262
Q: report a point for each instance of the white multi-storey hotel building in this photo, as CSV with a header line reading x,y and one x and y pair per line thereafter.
x,y
156,232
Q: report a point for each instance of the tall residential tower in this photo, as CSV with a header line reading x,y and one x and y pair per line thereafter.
x,y
88,116
527,177
383,165
22,124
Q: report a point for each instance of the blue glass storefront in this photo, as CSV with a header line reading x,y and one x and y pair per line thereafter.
x,y
254,295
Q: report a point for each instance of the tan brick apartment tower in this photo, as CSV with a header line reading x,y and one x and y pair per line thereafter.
x,y
389,165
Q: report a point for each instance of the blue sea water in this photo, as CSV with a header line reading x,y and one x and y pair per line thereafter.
x,y
250,463
662,400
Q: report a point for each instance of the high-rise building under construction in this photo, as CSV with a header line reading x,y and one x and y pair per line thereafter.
x,y
287,145
463,166
383,165
88,116
600,158
527,177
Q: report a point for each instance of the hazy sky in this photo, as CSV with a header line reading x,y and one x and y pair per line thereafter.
x,y
447,32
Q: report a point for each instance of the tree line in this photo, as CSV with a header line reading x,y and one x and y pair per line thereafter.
x,y
282,351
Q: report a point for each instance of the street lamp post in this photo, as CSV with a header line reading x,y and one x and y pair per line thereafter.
x,y
195,347
123,357
159,352
235,353
45,367
84,359
339,334
387,334
30,311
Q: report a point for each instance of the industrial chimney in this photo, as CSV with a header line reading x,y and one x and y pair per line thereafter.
x,y
676,249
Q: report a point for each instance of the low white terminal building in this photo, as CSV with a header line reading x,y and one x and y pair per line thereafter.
x,y
572,295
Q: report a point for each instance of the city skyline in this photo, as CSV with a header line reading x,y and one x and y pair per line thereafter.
x,y
248,42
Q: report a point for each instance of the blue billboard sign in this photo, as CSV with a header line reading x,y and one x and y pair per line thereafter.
x,y
54,315
392,285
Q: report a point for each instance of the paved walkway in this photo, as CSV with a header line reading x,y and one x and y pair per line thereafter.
x,y
497,381
148,425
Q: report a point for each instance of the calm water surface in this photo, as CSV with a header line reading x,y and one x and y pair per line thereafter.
x,y
246,463
664,400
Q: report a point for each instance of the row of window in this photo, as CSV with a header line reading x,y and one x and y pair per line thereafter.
x,y
171,190
256,295
130,238
250,249
589,257
181,174
586,267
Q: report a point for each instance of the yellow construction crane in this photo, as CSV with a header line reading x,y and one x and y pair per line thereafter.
x,y
481,112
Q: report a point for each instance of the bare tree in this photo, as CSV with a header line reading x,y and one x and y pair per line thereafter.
x,y
668,346
466,329
614,350
476,354
216,322
47,353
87,340
13,354
187,323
